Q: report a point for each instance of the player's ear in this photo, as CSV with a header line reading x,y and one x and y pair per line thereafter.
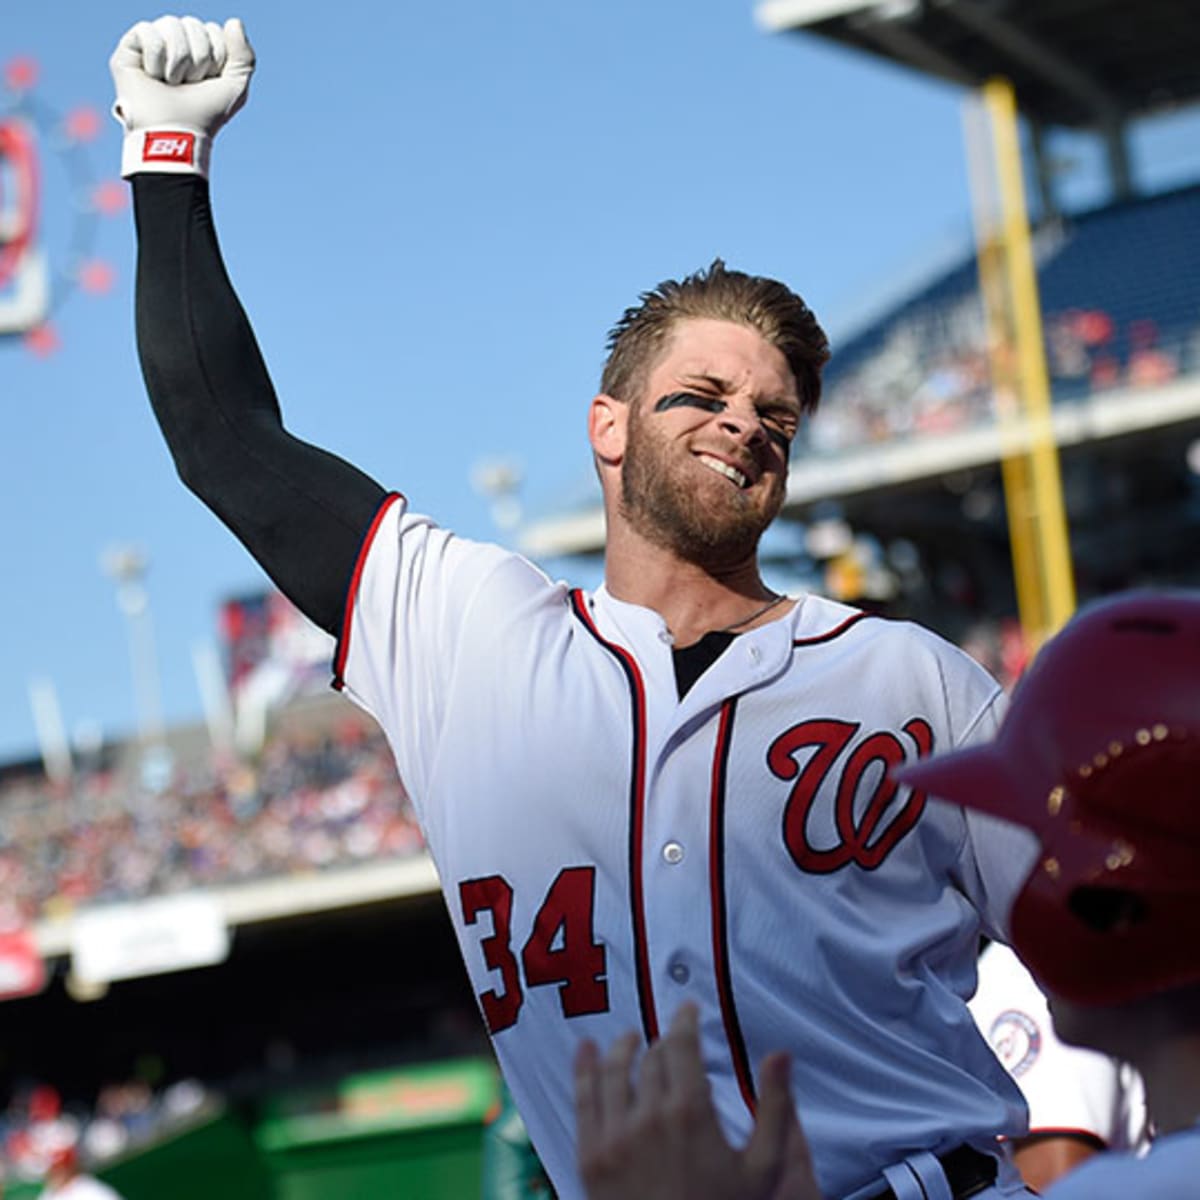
x,y
608,420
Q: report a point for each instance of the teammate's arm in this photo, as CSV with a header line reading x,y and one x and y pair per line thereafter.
x,y
301,512
659,1138
1044,1158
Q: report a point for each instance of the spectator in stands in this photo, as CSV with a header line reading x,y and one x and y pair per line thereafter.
x,y
66,1180
1149,364
313,801
36,1132
36,1129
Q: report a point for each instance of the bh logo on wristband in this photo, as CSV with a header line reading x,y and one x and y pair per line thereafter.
x,y
169,147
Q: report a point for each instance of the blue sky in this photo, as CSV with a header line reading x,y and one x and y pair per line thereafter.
x,y
433,213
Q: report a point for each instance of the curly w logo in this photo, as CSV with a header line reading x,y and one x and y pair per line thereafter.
x,y
868,828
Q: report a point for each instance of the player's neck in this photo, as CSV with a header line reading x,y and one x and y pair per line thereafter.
x,y
1171,1072
692,599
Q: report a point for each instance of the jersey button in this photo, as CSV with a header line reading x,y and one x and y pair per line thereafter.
x,y
673,853
755,654
679,972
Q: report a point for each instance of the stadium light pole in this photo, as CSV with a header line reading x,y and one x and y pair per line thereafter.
x,y
127,566
499,481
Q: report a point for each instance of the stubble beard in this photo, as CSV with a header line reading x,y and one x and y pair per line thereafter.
x,y
671,512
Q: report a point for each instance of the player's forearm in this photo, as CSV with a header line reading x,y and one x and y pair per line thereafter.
x,y
206,379
300,511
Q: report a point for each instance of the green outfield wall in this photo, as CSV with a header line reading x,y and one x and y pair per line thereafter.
x,y
415,1134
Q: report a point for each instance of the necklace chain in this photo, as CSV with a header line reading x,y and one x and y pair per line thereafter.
x,y
758,612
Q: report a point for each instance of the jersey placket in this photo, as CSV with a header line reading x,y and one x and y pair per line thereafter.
x,y
683,858
634,643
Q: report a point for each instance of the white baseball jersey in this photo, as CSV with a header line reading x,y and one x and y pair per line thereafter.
x,y
1170,1171
1070,1091
608,850
82,1187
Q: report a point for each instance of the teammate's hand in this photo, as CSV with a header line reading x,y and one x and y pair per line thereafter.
x,y
661,1140
178,81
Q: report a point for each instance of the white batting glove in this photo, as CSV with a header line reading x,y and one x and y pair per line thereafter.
x,y
178,81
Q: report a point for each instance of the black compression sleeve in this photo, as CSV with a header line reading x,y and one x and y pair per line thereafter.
x,y
300,511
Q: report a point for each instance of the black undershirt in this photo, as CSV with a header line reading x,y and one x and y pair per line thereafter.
x,y
692,661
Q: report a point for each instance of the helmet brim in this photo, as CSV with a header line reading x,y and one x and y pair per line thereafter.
x,y
980,778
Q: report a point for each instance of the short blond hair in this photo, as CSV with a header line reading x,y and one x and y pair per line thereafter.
x,y
767,306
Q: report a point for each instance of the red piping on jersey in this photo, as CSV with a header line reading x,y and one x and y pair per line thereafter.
x,y
716,861
1078,1135
836,631
637,804
716,878
343,648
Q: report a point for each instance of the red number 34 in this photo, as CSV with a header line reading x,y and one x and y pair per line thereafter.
x,y
561,947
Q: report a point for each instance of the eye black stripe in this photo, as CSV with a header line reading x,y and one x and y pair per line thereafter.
x,y
690,400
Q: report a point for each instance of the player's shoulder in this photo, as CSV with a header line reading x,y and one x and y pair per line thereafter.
x,y
1168,1172
1000,966
86,1187
466,564
1007,988
912,664
818,619
1010,1010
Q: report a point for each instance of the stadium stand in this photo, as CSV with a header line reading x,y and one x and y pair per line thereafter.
x,y
314,799
1120,291
337,967
310,851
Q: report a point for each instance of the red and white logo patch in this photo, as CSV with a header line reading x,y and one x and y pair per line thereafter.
x,y
1016,1040
169,147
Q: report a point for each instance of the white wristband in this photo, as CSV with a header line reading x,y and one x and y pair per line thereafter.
x,y
166,149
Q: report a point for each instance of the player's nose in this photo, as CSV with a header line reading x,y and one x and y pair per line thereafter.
x,y
743,424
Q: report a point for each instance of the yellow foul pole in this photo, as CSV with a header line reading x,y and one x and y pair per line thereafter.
x,y
1032,481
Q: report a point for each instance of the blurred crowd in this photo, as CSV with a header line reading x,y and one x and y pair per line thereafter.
x,y
931,373
310,801
928,373
37,1130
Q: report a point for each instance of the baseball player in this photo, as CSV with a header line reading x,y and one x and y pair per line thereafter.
x,y
1099,756
673,788
1080,1102
66,1180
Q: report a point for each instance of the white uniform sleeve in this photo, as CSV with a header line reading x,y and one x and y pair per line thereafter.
x,y
1003,856
997,855
419,595
1070,1091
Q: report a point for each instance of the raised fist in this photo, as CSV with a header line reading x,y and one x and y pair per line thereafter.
x,y
178,80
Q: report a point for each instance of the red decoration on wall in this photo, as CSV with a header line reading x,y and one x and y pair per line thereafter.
x,y
21,73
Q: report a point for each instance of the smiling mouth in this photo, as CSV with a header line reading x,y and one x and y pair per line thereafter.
x,y
721,468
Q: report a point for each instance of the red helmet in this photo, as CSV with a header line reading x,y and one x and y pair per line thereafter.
x,y
1100,756
64,1157
45,1104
